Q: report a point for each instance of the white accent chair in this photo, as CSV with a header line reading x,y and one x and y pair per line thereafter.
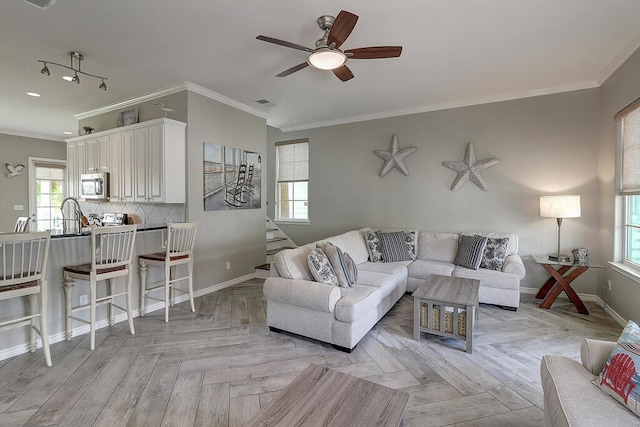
x,y
23,265
111,253
180,241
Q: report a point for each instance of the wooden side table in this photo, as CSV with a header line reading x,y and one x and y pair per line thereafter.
x,y
560,280
442,295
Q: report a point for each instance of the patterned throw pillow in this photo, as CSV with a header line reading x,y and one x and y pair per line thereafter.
x,y
411,238
620,377
352,268
373,246
320,267
470,250
393,246
337,260
494,253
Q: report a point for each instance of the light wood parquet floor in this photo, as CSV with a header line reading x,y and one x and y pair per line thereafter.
x,y
219,366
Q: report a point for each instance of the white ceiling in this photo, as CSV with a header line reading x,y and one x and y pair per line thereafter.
x,y
455,52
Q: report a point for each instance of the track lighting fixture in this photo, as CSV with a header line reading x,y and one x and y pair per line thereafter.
x,y
77,70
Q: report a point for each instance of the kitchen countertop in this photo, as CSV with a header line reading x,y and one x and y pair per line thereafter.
x,y
57,234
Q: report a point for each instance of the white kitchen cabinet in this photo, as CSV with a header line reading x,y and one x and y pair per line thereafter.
x,y
160,163
122,167
98,156
145,161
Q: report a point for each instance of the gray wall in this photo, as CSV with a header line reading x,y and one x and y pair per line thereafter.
x,y
546,145
237,236
15,191
622,88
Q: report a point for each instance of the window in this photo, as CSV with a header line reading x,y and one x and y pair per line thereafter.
x,y
49,183
292,182
630,117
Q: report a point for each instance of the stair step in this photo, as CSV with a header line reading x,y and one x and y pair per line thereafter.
x,y
264,267
276,250
276,239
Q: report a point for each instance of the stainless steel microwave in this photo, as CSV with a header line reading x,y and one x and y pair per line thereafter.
x,y
94,186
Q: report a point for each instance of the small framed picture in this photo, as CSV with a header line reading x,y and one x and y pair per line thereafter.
x,y
128,117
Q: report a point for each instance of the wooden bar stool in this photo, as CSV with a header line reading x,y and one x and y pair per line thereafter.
x,y
180,240
22,224
23,268
111,253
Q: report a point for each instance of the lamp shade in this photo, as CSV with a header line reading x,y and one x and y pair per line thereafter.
x,y
327,59
560,206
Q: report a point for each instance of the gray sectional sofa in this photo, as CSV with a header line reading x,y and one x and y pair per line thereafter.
x,y
342,316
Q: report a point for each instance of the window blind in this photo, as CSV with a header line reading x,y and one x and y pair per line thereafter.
x,y
631,150
293,161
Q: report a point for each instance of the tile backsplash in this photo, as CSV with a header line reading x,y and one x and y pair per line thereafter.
x,y
139,213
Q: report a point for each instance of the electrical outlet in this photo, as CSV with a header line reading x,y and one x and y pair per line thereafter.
x,y
84,299
609,284
228,265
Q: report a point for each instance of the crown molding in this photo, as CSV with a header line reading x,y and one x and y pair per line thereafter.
x,y
170,91
439,107
24,134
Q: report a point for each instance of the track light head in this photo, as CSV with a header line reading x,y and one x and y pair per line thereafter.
x,y
103,85
75,79
45,70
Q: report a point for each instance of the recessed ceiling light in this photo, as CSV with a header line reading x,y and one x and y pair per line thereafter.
x,y
68,133
36,95
67,78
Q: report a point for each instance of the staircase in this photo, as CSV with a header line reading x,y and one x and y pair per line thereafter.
x,y
277,241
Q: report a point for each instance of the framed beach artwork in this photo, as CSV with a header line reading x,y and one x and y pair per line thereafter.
x,y
128,117
232,178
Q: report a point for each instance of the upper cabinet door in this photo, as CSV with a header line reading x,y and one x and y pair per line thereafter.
x,y
91,156
155,164
103,159
141,137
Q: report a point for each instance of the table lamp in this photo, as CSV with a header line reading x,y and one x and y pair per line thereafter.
x,y
560,207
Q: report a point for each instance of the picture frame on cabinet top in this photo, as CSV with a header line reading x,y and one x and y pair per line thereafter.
x,y
127,117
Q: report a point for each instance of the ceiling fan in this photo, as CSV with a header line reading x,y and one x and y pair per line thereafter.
x,y
327,54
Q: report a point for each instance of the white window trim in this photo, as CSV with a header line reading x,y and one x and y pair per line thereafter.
x,y
278,219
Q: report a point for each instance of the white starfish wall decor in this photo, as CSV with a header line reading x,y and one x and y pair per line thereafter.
x,y
469,169
394,158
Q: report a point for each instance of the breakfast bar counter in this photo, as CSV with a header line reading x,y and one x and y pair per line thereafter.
x,y
74,249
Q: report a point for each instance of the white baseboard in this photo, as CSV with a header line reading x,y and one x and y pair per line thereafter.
x,y
122,317
585,297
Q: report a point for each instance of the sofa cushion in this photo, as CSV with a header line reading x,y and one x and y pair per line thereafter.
x,y
470,250
384,267
437,246
336,258
292,263
393,246
620,377
373,246
494,253
352,242
423,268
489,278
363,297
321,268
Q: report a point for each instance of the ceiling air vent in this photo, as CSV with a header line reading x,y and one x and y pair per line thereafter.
x,y
41,4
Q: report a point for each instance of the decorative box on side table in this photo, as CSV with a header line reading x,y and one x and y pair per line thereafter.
x,y
446,306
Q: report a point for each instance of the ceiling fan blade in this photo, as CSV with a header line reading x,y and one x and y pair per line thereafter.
x,y
343,73
293,69
283,43
342,27
377,52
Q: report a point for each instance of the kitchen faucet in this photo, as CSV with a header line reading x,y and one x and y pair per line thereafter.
x,y
77,212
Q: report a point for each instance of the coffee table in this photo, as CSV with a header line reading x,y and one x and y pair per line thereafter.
x,y
446,306
321,396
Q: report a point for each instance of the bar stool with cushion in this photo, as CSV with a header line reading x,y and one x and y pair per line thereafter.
x,y
111,253
23,268
180,240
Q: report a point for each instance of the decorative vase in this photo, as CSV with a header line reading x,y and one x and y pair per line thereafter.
x,y
580,256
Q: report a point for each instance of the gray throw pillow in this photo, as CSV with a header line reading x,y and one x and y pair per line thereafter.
x,y
336,258
352,268
470,250
373,246
494,253
393,246
320,267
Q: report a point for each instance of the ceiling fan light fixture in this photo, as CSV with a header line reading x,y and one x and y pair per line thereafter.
x,y
327,59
